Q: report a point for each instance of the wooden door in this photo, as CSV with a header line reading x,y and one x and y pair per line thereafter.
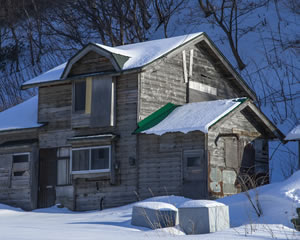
x,y
194,174
47,177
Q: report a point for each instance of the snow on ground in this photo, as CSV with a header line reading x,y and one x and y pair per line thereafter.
x,y
278,202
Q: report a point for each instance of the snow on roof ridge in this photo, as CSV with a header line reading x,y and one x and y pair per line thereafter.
x,y
191,117
138,57
21,116
200,203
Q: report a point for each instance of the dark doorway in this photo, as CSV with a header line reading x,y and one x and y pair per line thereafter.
x,y
47,177
248,159
194,174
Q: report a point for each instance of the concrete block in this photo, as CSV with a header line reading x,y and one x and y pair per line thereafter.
x,y
154,215
203,216
215,174
215,187
229,188
229,176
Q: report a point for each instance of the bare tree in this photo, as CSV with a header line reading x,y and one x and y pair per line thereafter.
x,y
228,14
37,35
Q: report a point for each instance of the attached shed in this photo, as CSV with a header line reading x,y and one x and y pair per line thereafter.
x,y
19,155
205,149
294,135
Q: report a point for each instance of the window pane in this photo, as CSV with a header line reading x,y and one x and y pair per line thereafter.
x,y
63,175
20,158
80,96
80,160
100,158
19,173
193,161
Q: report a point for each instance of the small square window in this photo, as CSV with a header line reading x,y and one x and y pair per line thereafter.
x,y
193,158
193,161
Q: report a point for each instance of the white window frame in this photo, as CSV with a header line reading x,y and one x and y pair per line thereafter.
x,y
90,157
18,154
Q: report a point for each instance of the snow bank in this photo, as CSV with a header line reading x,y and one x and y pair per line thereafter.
x,y
194,116
294,134
23,115
110,224
278,203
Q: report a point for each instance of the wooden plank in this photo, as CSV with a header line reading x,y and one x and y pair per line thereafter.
x,y
185,73
191,63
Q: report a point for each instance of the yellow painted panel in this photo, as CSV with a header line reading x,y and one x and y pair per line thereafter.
x,y
88,95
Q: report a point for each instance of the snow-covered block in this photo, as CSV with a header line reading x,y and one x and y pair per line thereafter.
x,y
203,216
154,215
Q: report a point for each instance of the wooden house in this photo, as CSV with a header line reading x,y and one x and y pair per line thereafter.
x,y
117,124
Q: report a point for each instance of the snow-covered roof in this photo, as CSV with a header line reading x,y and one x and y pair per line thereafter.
x,y
53,74
294,134
201,203
21,116
140,54
194,116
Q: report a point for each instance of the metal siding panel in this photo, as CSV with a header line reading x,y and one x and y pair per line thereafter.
x,y
101,102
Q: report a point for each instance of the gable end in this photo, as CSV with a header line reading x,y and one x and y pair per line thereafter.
x,y
93,59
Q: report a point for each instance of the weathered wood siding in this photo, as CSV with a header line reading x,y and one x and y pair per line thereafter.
x,y
160,162
163,81
89,191
55,107
223,169
19,191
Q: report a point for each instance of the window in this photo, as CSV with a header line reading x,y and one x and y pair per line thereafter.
x,y
94,98
193,161
20,157
79,96
20,162
194,158
63,166
95,159
19,173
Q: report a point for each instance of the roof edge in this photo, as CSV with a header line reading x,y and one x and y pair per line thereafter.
x,y
235,74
